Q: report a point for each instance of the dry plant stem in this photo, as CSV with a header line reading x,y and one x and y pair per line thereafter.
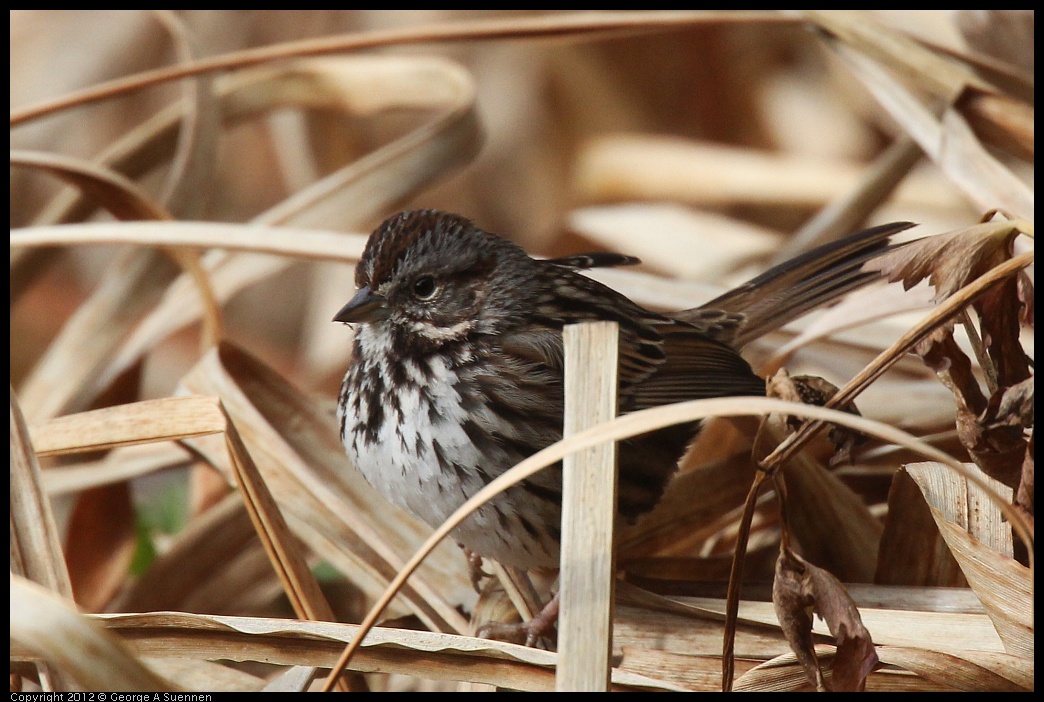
x,y
985,361
570,25
111,190
56,631
170,419
728,662
946,138
191,165
587,571
519,589
306,244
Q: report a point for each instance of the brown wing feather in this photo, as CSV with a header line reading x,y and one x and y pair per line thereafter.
x,y
695,367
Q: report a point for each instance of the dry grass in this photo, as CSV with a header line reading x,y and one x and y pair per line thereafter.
x,y
190,190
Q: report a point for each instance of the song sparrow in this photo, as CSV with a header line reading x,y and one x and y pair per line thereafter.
x,y
456,369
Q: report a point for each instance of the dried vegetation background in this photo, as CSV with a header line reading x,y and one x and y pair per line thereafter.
x,y
182,515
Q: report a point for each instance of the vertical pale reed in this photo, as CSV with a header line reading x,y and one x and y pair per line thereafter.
x,y
588,512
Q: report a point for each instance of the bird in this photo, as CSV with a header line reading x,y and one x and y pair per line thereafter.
x,y
456,370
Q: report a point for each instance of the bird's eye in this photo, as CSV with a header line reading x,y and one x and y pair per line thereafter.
x,y
424,287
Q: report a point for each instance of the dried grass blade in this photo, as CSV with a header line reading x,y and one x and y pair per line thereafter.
x,y
113,191
641,167
950,631
845,213
291,642
192,166
166,419
282,548
309,244
283,551
860,31
574,24
120,464
36,547
664,236
51,628
69,374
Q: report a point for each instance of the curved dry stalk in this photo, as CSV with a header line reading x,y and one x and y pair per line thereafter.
x,y
113,191
192,166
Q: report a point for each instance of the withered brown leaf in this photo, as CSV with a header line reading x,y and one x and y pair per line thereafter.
x,y
949,261
814,390
799,589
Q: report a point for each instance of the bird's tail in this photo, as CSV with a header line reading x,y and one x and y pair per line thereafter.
x,y
783,293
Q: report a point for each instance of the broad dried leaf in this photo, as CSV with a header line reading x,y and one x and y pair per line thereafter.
x,y
948,261
971,522
970,670
912,550
801,588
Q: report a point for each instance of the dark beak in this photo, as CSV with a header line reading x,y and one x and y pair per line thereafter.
x,y
365,306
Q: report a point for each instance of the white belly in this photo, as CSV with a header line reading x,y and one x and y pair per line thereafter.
x,y
401,460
